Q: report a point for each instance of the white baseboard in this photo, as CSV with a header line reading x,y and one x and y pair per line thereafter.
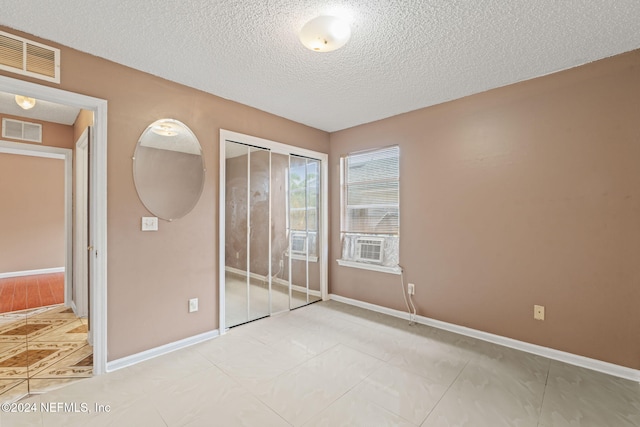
x,y
32,272
114,365
562,356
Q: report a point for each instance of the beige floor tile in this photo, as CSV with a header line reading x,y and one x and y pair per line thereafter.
x,y
581,397
44,385
440,362
299,394
352,410
190,398
481,397
27,415
402,392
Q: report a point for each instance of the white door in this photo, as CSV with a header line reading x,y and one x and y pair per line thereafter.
x,y
81,246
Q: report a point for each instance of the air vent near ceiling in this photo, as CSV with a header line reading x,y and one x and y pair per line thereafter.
x,y
29,58
24,131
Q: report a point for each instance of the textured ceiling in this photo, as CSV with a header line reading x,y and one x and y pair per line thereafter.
x,y
403,55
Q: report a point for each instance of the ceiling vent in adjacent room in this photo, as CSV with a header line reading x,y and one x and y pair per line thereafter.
x,y
29,58
24,131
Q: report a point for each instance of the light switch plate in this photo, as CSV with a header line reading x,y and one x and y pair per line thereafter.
x,y
149,223
193,305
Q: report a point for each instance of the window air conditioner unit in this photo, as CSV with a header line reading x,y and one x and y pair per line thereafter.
x,y
370,249
299,243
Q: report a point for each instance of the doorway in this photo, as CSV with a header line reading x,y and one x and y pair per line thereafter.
x,y
273,228
98,234
33,231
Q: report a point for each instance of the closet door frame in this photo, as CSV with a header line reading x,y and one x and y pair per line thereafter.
x,y
280,148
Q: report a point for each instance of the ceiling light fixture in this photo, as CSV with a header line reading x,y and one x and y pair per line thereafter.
x,y
325,33
25,102
164,129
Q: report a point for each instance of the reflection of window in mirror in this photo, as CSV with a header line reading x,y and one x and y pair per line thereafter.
x,y
303,207
168,169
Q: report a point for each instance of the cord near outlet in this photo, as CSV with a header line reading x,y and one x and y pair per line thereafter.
x,y
410,310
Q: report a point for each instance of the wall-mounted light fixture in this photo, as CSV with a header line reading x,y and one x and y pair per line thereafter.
x,y
25,102
325,33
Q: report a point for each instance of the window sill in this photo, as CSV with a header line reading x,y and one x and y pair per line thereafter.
x,y
372,267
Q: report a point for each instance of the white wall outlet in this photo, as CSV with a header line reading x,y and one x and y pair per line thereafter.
x,y
193,305
538,312
411,289
149,223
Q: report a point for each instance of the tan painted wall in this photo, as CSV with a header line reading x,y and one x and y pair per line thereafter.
x,y
151,275
83,121
32,213
527,194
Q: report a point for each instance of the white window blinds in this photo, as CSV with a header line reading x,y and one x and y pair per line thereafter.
x,y
371,192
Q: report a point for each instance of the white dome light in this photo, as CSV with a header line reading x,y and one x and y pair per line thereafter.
x,y
325,33
25,102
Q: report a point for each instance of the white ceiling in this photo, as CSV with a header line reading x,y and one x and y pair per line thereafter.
x,y
403,55
43,110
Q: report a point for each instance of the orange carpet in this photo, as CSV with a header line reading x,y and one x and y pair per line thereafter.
x,y
20,293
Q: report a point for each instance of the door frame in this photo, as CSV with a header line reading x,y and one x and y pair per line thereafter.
x,y
98,237
280,148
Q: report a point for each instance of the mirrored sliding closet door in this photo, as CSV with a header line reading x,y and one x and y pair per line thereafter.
x,y
274,251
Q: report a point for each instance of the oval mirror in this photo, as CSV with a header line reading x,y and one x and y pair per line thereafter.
x,y
168,169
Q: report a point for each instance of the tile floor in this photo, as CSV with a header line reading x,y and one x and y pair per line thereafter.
x,y
42,349
329,364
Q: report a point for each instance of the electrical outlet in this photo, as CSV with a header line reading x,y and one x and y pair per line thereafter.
x,y
193,305
411,289
149,223
538,312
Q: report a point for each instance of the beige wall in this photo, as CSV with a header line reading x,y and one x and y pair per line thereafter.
x,y
151,275
32,215
83,121
527,194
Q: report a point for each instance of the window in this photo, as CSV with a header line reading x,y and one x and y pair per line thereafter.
x,y
370,224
